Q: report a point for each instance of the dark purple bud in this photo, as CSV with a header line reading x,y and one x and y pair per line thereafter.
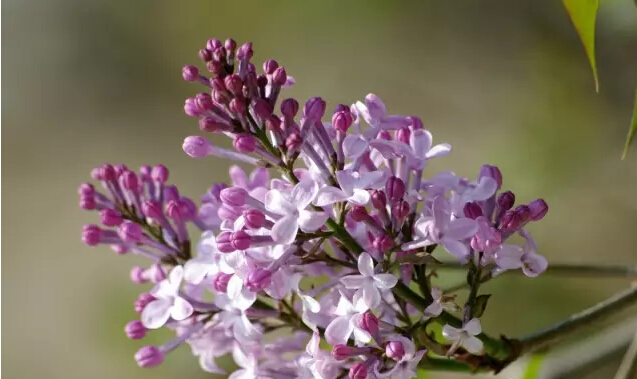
x,y
135,330
190,73
218,84
221,97
403,135
539,208
188,208
245,51
258,279
510,220
152,209
204,101
234,84
342,108
130,232
213,44
294,141
87,203
160,174
205,55
171,193
279,77
342,120
379,199
196,146
237,106
110,217
173,210
416,123
254,218
395,350
506,200
400,210
129,181
289,108
191,108
219,54
233,196
383,243
245,143
91,234
359,213
395,188
472,210
215,67
120,168
149,356
491,172
369,323
142,301
358,371
210,124
273,123
314,108
107,172
269,66
86,189
224,243
262,81
341,352
220,281
137,275
384,134
262,108
240,240
144,172
524,213
230,45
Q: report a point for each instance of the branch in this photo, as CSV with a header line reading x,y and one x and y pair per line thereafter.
x,y
557,332
568,269
628,367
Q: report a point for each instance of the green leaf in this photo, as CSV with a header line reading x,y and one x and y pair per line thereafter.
x,y
583,14
631,131
532,370
480,305
422,374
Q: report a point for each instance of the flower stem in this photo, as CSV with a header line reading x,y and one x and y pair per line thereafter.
x,y
566,269
549,336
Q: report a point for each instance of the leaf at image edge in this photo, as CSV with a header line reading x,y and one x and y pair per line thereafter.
x,y
631,130
532,369
583,14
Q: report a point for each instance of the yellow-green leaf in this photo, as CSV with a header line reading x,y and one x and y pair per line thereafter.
x,y
632,130
583,14
532,370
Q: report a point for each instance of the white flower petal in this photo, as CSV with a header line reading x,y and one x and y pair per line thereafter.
x,y
534,264
339,330
385,281
359,197
456,248
181,309
156,313
304,193
439,151
310,221
277,202
451,333
329,195
176,275
365,264
347,180
284,230
354,146
354,281
371,295
473,345
473,327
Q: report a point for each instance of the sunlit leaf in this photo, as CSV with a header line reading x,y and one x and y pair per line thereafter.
x,y
583,14
532,370
631,131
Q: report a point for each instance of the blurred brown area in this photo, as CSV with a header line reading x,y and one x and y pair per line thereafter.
x,y
506,83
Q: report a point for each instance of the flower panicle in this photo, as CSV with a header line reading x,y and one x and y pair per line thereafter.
x,y
352,206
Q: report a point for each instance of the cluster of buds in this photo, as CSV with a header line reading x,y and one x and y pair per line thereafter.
x,y
338,249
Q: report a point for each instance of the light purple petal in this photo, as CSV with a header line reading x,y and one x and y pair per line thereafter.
x,y
534,264
436,293
329,195
375,108
423,226
365,265
175,277
473,327
441,212
385,281
347,180
312,347
434,309
363,112
311,221
339,330
354,281
372,180
284,230
456,248
387,148
304,193
289,82
359,197
208,364
181,309
259,177
156,313
354,146
371,295
485,189
461,228
238,177
509,257
473,345
420,141
451,333
277,202
440,150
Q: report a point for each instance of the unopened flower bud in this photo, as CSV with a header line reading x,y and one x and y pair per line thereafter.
x,y
400,210
506,200
358,213
314,108
224,243
379,199
205,55
159,174
395,350
539,208
341,352
233,196
524,213
358,371
142,301
244,143
174,211
245,51
279,77
230,45
262,108
416,123
213,44
196,146
259,279
269,66
402,135
240,240
152,209
254,218
293,141
342,120
220,281
491,172
190,73
383,243
395,189
472,210
234,84
149,356
110,217
135,330
369,323
137,275
289,108
128,231
91,234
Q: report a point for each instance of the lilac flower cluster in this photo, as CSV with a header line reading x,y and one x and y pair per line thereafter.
x,y
337,249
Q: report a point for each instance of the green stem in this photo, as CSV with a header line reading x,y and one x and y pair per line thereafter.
x,y
549,336
566,269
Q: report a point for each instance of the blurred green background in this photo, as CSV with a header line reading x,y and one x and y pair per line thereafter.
x,y
505,82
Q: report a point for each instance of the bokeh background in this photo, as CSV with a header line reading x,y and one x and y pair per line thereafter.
x,y
506,82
